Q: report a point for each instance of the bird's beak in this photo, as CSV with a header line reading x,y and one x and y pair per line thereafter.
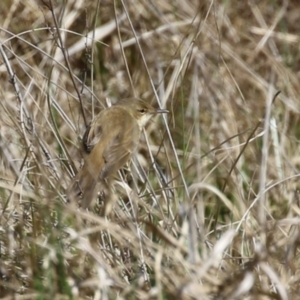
x,y
161,111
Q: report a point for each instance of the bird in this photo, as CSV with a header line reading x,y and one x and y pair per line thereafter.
x,y
108,143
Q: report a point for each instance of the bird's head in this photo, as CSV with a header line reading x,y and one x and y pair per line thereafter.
x,y
140,110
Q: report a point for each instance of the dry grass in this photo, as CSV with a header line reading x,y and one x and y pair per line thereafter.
x,y
209,207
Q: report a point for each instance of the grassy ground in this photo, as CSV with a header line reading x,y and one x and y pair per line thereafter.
x,y
209,206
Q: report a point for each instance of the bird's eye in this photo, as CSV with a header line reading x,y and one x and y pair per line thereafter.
x,y
142,110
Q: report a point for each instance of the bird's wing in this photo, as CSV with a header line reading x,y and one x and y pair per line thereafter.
x,y
109,142
92,136
122,145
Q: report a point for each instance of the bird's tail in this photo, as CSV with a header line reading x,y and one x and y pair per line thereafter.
x,y
82,189
85,187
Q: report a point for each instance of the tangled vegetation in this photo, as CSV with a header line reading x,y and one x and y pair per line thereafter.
x,y
208,208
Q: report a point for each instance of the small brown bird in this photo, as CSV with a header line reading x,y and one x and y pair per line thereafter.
x,y
108,143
